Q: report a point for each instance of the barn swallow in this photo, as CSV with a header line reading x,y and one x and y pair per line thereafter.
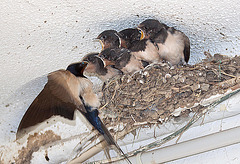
x,y
96,67
109,39
173,45
66,91
150,28
122,59
113,55
129,36
143,49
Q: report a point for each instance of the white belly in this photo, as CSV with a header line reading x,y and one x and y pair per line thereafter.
x,y
172,49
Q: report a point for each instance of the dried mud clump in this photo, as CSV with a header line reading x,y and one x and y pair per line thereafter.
x,y
34,143
155,92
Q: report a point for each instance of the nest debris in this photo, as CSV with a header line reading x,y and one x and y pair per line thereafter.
x,y
153,94
34,143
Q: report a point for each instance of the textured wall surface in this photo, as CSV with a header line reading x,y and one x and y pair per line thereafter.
x,y
38,37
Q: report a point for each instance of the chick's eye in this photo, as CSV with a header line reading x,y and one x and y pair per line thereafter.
x,y
103,37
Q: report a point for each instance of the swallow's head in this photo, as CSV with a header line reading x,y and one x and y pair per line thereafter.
x,y
150,27
96,64
109,39
109,56
128,36
91,58
77,68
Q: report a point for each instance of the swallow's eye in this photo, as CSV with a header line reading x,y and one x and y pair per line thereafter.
x,y
103,37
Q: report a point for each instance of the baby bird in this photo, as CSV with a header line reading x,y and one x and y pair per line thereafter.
x,y
109,39
96,67
120,58
143,49
173,45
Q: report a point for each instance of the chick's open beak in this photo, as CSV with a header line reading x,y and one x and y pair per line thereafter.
x,y
142,34
99,40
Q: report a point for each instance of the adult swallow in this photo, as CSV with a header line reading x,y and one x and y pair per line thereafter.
x,y
143,49
96,67
173,45
66,91
60,96
109,39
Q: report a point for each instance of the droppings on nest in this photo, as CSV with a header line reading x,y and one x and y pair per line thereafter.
x,y
34,143
153,94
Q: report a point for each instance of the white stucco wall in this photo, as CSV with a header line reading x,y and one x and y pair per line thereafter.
x,y
38,37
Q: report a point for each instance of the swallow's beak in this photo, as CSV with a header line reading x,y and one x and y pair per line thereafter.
x,y
104,64
142,34
99,40
95,40
90,68
84,65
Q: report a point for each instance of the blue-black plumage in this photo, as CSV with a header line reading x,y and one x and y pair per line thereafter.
x,y
92,117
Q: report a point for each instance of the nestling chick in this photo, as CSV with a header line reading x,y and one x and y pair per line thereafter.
x,y
96,67
144,49
120,58
173,45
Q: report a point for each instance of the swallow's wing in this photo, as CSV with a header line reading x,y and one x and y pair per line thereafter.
x,y
186,50
161,36
123,59
59,97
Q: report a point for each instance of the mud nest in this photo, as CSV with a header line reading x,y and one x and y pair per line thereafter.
x,y
153,94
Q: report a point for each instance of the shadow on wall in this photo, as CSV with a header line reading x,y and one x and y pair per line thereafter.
x,y
21,100
133,21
